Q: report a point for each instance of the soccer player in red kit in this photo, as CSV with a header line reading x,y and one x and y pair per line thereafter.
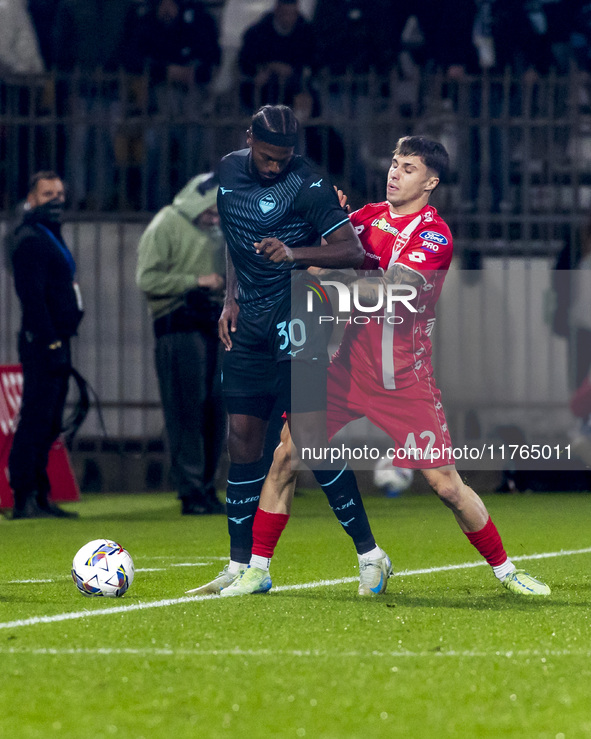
x,y
382,369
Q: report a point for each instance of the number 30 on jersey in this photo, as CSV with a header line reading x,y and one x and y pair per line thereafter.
x,y
293,333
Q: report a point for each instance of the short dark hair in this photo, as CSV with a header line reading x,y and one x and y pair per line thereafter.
x,y
44,174
433,154
275,124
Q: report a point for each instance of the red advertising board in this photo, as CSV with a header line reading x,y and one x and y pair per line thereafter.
x,y
63,482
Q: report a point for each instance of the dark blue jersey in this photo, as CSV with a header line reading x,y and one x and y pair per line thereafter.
x,y
299,207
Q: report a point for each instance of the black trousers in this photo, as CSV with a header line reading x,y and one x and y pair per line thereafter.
x,y
40,422
189,377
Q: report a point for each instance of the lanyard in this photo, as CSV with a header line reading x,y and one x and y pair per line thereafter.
x,y
64,249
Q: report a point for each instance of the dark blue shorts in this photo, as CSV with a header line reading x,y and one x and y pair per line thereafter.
x,y
282,352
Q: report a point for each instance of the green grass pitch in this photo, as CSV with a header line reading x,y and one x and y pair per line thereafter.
x,y
446,652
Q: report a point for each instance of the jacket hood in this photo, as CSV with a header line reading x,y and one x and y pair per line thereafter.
x,y
198,195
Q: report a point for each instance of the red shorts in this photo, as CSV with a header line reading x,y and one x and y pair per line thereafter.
x,y
412,417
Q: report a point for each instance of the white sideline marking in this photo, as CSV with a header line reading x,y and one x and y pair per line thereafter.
x,y
167,652
282,588
181,564
171,557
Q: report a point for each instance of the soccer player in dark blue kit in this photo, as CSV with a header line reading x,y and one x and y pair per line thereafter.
x,y
280,215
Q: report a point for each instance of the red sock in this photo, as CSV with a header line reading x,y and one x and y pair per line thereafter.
x,y
266,530
489,544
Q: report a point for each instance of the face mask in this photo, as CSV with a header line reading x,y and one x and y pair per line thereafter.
x,y
51,211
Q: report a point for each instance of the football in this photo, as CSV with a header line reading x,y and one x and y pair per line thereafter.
x,y
392,480
102,568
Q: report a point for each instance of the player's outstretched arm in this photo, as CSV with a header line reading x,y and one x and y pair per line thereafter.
x,y
341,250
368,288
399,274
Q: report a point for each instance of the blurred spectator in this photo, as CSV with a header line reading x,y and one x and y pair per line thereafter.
x,y
19,56
492,35
93,40
43,14
19,50
179,41
95,34
580,35
580,328
571,318
236,17
489,36
580,310
359,35
564,19
276,53
181,268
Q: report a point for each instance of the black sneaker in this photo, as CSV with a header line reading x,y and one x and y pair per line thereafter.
x,y
192,507
54,511
28,509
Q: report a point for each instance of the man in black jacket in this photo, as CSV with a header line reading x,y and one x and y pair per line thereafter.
x,y
44,278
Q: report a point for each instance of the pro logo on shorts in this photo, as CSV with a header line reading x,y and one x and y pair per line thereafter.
x,y
434,237
267,203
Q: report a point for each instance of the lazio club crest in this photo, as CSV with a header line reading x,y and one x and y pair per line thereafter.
x,y
267,203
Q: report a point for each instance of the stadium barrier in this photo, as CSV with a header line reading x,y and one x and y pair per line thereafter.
x,y
517,145
63,483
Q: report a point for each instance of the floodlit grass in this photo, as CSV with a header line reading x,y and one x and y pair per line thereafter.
x,y
444,653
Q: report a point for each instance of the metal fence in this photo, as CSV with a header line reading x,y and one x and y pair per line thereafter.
x,y
517,146
519,189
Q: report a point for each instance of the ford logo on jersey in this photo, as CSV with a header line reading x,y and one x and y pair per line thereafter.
x,y
267,203
433,236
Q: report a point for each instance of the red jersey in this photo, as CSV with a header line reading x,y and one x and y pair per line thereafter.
x,y
393,347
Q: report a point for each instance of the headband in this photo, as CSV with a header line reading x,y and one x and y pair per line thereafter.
x,y
287,140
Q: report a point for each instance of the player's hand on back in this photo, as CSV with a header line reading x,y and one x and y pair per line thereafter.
x,y
343,200
274,250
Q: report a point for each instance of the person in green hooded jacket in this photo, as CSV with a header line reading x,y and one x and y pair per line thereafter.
x,y
181,270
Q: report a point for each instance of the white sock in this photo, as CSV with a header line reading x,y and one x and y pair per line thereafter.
x,y
235,567
501,571
263,563
375,553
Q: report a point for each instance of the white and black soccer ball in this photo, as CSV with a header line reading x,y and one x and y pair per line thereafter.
x,y
392,480
103,568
